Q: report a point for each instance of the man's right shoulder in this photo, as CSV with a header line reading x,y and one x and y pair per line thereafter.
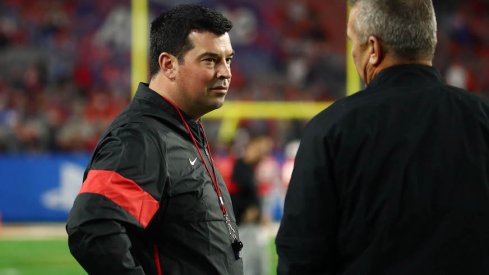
x,y
340,109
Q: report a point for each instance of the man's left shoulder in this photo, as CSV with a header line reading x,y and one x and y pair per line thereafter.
x,y
468,97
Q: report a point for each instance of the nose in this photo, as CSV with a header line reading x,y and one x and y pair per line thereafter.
x,y
224,71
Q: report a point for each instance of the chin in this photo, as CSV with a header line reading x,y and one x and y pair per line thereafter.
x,y
213,105
219,104
220,100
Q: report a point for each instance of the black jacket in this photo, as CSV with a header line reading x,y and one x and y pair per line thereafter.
x,y
392,180
147,204
243,176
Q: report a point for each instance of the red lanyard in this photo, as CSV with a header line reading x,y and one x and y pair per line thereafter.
x,y
207,147
236,245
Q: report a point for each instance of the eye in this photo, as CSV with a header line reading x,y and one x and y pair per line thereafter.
x,y
228,60
210,60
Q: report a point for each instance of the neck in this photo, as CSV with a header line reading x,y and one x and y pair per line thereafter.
x,y
161,87
167,90
387,62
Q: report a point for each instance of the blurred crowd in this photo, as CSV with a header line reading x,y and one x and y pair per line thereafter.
x,y
63,76
65,64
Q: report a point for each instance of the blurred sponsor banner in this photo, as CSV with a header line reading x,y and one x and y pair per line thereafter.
x,y
37,188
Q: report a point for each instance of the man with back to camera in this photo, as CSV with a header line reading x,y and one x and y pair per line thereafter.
x,y
152,200
395,178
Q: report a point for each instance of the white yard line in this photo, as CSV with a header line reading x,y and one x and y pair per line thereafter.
x,y
32,232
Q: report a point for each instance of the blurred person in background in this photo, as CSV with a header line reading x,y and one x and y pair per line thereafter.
x,y
246,202
152,201
395,178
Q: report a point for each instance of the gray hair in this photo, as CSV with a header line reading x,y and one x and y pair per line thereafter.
x,y
407,27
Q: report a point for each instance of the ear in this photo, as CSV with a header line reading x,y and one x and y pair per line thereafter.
x,y
376,51
168,65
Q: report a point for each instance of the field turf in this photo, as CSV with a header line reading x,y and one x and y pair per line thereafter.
x,y
51,257
37,257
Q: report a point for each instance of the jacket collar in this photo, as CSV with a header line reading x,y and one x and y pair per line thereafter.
x,y
160,103
406,75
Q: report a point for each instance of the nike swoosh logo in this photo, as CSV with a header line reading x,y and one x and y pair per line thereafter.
x,y
192,162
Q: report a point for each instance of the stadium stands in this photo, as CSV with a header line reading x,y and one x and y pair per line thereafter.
x,y
65,65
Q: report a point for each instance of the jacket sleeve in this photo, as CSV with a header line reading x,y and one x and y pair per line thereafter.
x,y
103,247
120,194
307,234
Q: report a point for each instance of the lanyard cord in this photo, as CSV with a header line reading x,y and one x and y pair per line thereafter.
x,y
236,245
231,230
213,179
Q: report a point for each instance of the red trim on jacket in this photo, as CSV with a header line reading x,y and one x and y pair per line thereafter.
x,y
157,261
123,192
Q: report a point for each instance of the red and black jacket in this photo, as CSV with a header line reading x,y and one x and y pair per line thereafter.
x,y
147,204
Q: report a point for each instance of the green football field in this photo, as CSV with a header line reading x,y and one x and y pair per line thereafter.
x,y
46,257
37,257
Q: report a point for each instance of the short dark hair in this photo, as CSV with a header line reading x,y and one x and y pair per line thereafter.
x,y
169,31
